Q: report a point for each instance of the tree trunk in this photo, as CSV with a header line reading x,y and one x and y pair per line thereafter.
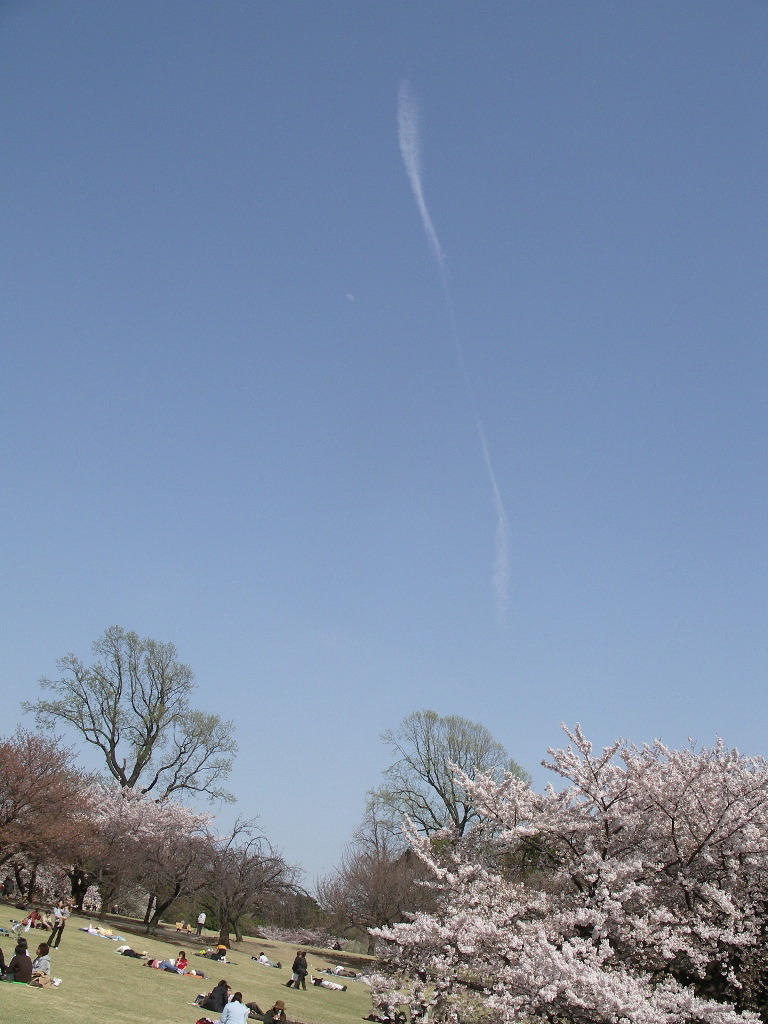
x,y
148,911
19,880
160,908
79,881
31,884
108,890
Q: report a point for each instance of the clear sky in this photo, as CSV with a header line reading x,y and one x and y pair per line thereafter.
x,y
245,393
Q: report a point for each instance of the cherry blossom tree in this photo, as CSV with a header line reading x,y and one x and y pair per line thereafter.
x,y
636,893
136,841
173,857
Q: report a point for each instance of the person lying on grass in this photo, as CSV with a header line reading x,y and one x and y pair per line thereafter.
x,y
329,984
177,966
262,958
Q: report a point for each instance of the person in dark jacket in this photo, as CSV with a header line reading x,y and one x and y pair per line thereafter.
x,y
298,971
302,970
20,967
276,1015
217,998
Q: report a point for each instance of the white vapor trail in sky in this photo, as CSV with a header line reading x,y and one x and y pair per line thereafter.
x,y
408,137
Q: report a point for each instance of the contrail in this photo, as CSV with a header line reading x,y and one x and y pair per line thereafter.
x,y
408,137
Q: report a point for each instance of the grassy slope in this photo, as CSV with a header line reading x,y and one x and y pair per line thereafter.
x,y
98,985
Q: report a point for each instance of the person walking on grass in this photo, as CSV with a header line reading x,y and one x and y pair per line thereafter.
x,y
200,922
298,977
302,971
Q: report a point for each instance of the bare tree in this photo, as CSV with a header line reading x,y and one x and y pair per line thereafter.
x,y
133,705
242,875
421,783
377,882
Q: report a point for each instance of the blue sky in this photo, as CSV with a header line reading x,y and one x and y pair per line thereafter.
x,y
234,410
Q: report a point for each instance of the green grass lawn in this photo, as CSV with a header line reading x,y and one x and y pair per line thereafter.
x,y
99,985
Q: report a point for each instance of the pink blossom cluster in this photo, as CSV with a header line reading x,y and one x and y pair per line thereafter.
x,y
634,892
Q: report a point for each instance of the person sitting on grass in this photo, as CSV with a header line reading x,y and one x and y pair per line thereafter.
x,y
387,1017
42,962
235,1012
220,953
20,967
178,965
41,968
276,1015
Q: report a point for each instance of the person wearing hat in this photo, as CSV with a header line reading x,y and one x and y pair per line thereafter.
x,y
274,1016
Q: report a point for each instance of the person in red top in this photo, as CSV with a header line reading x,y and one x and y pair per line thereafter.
x,y
178,965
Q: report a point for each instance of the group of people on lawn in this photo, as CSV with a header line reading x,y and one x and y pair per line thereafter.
x,y
53,923
234,1011
37,971
21,967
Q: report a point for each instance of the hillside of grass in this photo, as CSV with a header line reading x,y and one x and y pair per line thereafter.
x,y
100,985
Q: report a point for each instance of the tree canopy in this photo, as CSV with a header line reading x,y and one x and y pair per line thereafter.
x,y
422,784
133,704
43,798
